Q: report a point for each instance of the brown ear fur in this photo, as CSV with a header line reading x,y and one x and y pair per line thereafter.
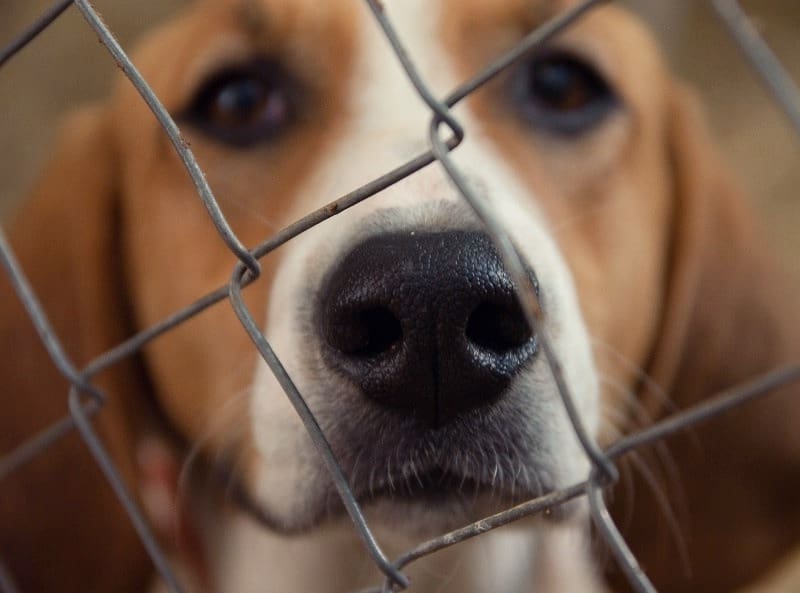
x,y
729,317
61,528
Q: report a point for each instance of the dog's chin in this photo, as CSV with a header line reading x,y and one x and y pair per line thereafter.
x,y
430,515
436,501
434,504
414,508
413,517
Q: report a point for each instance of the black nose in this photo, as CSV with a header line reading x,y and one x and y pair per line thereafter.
x,y
425,322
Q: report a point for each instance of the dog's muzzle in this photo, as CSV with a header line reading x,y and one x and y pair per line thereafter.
x,y
426,323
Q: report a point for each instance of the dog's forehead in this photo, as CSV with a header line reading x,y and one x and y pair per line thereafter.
x,y
313,10
311,35
434,32
405,15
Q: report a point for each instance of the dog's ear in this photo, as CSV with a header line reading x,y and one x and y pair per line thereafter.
x,y
728,317
61,528
728,313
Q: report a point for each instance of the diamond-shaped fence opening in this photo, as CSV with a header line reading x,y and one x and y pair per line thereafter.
x,y
444,135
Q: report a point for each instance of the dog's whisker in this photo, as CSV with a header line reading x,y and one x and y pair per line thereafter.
x,y
415,473
626,484
640,418
496,469
641,375
536,479
251,211
220,424
629,414
665,506
663,455
232,469
389,478
230,454
411,327
355,468
636,460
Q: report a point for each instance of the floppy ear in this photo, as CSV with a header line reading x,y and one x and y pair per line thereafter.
x,y
728,317
61,528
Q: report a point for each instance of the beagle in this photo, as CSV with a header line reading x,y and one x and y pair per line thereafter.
x,y
396,319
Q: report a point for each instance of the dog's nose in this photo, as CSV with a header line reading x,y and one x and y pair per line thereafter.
x,y
427,323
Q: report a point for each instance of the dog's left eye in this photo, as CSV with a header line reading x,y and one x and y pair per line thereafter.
x,y
244,105
561,93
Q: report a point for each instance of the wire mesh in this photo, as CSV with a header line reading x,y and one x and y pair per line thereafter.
x,y
86,401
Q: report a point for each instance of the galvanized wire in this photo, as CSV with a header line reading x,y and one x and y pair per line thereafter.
x,y
40,322
174,134
762,59
7,584
128,501
44,21
86,401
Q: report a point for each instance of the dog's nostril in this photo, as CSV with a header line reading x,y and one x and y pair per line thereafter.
x,y
498,328
366,332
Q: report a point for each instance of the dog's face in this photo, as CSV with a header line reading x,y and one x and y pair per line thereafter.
x,y
396,319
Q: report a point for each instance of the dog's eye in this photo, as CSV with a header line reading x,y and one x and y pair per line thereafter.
x,y
561,93
244,105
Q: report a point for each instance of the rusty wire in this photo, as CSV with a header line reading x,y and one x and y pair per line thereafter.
x,y
85,400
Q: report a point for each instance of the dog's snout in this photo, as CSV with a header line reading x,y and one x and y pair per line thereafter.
x,y
425,322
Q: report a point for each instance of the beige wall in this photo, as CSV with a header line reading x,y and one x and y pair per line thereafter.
x,y
754,134
67,66
62,68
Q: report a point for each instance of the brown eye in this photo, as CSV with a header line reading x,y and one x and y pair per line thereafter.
x,y
561,93
244,105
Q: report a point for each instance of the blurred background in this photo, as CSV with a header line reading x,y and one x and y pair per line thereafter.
x,y
66,66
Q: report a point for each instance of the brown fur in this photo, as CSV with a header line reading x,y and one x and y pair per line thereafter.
x,y
62,525
676,276
728,317
109,225
669,265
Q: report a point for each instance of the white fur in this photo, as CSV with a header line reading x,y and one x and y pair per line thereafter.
x,y
389,126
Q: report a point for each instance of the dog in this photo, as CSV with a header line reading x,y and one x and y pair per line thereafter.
x,y
397,319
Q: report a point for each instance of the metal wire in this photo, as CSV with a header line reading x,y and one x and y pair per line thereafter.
x,y
7,584
85,400
135,514
10,50
313,428
174,134
40,322
763,61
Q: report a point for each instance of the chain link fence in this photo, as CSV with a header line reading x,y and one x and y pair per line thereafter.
x,y
444,134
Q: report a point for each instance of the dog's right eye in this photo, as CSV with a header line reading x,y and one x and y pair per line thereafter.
x,y
244,105
561,93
